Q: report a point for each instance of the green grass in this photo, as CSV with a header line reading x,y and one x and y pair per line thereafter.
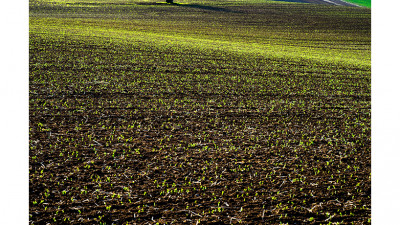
x,y
366,3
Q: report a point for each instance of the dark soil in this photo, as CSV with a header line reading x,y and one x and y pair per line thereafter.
x,y
143,135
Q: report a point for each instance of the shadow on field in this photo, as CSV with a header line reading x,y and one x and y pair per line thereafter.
x,y
299,1
204,7
194,6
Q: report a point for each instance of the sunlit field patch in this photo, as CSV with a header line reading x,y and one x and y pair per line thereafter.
x,y
198,113
366,3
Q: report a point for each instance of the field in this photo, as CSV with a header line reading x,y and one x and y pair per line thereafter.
x,y
202,112
365,3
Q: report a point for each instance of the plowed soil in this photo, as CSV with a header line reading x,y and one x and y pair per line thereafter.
x,y
138,133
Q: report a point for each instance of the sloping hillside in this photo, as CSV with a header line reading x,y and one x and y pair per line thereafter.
x,y
203,112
